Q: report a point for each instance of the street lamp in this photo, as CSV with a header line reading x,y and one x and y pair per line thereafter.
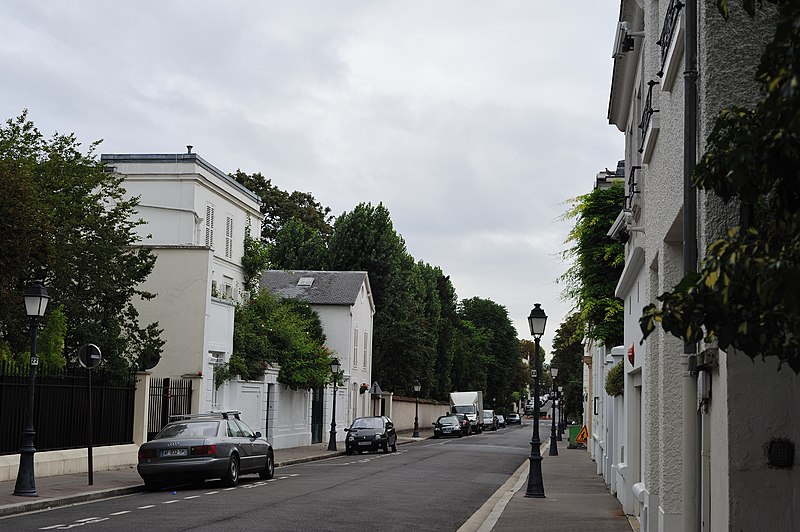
x,y
536,321
335,372
417,388
36,298
553,436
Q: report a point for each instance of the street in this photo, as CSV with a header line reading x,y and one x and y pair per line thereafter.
x,y
427,485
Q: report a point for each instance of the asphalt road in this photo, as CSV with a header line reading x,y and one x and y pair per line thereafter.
x,y
429,485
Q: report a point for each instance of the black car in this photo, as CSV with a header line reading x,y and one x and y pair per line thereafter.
x,y
370,434
205,446
447,426
513,419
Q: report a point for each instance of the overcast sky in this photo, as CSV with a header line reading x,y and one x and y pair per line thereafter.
x,y
472,121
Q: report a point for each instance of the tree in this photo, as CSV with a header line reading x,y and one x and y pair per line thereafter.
x,y
598,262
285,333
67,221
567,353
297,247
744,295
279,207
504,367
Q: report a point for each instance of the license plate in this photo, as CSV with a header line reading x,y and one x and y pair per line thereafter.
x,y
173,452
365,443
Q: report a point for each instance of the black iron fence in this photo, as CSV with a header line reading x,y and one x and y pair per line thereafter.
x,y
61,408
167,397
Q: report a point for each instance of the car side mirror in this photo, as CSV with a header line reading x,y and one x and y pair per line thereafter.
x,y
258,434
347,430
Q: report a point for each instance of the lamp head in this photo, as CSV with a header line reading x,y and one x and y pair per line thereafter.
x,y
335,366
537,320
36,298
417,386
553,369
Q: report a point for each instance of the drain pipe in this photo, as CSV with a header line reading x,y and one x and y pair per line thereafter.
x,y
691,417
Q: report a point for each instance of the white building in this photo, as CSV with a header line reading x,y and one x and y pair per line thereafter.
x,y
196,221
696,430
343,301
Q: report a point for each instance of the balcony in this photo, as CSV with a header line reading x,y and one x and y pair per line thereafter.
x,y
649,124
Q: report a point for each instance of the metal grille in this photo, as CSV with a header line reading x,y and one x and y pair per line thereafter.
x,y
167,397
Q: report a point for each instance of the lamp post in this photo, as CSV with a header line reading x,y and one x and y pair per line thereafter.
x,y
36,298
417,388
335,372
553,436
536,321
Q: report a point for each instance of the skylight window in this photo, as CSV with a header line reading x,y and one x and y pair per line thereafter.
x,y
305,281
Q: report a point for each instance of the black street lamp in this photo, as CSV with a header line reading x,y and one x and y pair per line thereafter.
x,y
536,321
553,436
417,388
335,372
36,298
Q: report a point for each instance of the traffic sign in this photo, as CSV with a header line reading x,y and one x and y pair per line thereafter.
x,y
89,356
582,436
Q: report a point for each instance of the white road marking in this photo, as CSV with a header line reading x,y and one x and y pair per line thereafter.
x,y
123,512
52,526
191,497
146,507
171,502
211,493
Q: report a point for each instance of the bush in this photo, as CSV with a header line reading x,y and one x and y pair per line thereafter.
x,y
615,380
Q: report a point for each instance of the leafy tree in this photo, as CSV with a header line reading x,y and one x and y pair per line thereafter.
x,y
269,331
744,295
598,262
470,359
279,207
254,261
568,355
297,247
66,221
504,368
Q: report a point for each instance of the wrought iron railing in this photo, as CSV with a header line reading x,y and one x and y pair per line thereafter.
x,y
668,31
168,397
647,113
633,187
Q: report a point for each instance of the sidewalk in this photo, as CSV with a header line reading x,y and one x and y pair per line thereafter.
x,y
576,497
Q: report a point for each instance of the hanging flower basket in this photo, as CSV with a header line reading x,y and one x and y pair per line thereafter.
x,y
363,389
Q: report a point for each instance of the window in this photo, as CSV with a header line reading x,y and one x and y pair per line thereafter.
x,y
210,225
366,343
229,237
355,348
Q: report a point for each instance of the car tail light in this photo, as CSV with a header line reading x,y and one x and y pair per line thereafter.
x,y
203,450
146,454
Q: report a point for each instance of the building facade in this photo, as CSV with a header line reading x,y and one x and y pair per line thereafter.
x,y
697,427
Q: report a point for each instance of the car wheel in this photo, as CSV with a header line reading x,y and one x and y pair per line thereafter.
x,y
269,469
386,447
348,451
231,477
394,446
149,485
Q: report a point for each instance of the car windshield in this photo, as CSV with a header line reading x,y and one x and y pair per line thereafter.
x,y
464,409
368,423
189,430
448,420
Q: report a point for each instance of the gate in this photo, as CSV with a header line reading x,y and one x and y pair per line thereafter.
x,y
168,397
316,416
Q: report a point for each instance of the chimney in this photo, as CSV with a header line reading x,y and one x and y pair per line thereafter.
x,y
189,148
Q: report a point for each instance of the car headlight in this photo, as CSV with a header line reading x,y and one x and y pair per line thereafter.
x,y
350,438
378,436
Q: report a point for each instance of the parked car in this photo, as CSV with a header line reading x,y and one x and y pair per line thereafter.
x,y
489,420
198,447
370,434
501,421
513,419
463,420
447,426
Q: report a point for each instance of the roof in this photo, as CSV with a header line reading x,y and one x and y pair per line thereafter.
x,y
317,287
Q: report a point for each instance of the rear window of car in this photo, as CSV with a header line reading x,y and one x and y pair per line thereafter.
x,y
198,429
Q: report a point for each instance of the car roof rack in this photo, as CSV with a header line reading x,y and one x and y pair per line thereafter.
x,y
214,414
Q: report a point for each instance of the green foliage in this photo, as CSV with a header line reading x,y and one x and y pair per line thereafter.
x,y
298,247
597,263
744,295
279,207
287,333
568,355
65,220
615,380
254,261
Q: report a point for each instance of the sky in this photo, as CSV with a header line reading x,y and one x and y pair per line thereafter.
x,y
473,122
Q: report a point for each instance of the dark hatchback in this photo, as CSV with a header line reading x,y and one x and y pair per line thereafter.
x,y
205,446
447,426
370,434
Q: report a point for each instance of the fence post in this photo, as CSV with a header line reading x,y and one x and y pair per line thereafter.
x,y
141,407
